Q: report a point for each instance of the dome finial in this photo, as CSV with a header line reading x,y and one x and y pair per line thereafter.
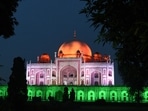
x,y
74,34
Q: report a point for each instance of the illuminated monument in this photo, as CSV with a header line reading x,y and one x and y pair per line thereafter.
x,y
74,64
90,75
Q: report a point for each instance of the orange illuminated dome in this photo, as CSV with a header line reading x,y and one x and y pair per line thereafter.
x,y
44,58
74,49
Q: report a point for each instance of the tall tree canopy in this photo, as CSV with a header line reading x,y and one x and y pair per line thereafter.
x,y
124,24
7,19
17,86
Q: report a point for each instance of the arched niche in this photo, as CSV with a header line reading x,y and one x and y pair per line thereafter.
x,y
30,95
145,95
113,96
40,77
2,94
95,78
68,75
91,95
49,93
102,94
39,93
80,95
124,96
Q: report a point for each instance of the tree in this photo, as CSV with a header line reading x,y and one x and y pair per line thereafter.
x,y
124,24
7,19
65,94
17,87
72,95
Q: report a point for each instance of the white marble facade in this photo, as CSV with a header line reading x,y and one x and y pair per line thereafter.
x,y
71,70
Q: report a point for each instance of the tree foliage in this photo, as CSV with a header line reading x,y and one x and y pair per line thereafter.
x,y
17,87
7,19
124,24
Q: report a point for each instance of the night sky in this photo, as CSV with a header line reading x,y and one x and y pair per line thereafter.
x,y
43,26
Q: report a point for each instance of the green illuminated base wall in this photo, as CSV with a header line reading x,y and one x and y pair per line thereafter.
x,y
82,93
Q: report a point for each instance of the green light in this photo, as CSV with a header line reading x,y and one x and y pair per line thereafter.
x,y
82,93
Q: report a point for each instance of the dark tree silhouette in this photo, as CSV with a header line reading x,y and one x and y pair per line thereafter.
x,y
17,87
72,95
65,94
7,19
124,24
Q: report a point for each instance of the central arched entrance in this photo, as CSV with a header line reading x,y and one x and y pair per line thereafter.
x,y
68,75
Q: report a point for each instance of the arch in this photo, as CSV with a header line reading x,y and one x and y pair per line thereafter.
x,y
48,94
102,95
113,96
40,77
30,95
91,96
124,96
95,78
68,74
82,73
146,96
39,93
1,94
80,95
53,74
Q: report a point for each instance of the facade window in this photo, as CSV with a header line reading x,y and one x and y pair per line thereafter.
x,y
70,75
82,74
41,76
65,75
53,75
96,75
78,53
110,73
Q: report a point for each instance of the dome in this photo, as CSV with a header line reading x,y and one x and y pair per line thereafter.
x,y
75,48
44,58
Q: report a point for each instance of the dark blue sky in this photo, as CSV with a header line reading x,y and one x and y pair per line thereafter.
x,y
43,26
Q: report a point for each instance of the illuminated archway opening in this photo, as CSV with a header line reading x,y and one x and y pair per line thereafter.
x,y
80,95
91,96
30,95
102,95
39,93
40,78
113,96
124,96
68,76
146,96
1,94
48,94
96,78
